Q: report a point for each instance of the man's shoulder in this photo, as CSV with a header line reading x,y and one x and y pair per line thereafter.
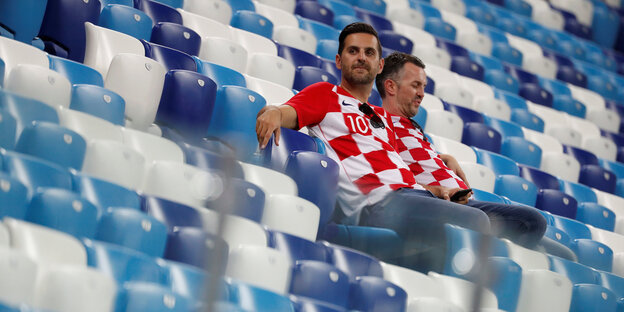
x,y
318,86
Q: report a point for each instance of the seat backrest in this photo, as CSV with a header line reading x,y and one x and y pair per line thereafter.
x,y
479,176
133,229
260,266
298,38
76,73
540,178
114,162
444,124
103,44
127,20
205,27
251,297
272,92
40,83
213,9
99,102
352,262
54,143
36,173
517,189
13,197
461,292
320,281
267,180
291,214
176,36
541,289
170,58
220,74
459,150
105,194
499,164
152,147
564,166
91,127
224,52
481,136
373,293
272,68
19,277
252,22
196,247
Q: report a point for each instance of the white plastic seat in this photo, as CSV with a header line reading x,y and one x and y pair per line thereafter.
x,y
278,16
589,128
272,68
601,147
526,258
114,162
431,102
90,127
295,37
217,10
592,100
152,147
540,65
461,292
224,52
19,275
13,53
614,203
181,183
75,289
561,165
457,19
615,240
270,181
254,43
493,107
272,92
139,80
566,135
605,119
286,5
205,27
406,15
41,84
415,284
416,34
462,152
475,42
264,267
444,124
428,304
432,55
479,176
5,240
546,142
552,118
236,231
583,10
543,290
102,44
545,16
44,245
291,214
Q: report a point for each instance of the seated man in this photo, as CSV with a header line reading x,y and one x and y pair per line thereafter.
x,y
401,85
374,181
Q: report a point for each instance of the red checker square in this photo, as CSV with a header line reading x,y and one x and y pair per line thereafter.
x,y
379,161
368,183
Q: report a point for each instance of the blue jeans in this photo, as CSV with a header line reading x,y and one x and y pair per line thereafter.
x,y
419,217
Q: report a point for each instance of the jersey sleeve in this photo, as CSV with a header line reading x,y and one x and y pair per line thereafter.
x,y
312,103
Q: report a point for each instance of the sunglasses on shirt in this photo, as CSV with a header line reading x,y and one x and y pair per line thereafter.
x,y
375,120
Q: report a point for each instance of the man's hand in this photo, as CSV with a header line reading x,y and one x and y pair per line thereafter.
x,y
445,193
269,121
452,163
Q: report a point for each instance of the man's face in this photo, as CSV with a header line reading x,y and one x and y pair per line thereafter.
x,y
360,61
411,89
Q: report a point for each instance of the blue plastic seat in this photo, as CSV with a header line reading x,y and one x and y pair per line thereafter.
x,y
238,5
542,179
139,296
481,136
395,41
13,197
330,66
194,282
196,247
519,6
425,8
133,229
54,143
501,80
576,272
316,176
252,22
616,167
221,75
303,304
127,20
341,21
612,282
592,298
307,75
326,48
556,202
464,66
75,72
572,75
99,102
440,28
63,28
158,11
171,213
584,157
123,264
339,7
299,57
26,110
352,262
598,177
320,281
22,18
378,7
582,193
315,11
252,298
466,114
244,199
129,3
481,195
505,279
207,159
34,172
594,254
574,228
596,215
187,102
169,57
276,156
374,294
527,119
498,163
176,36
63,210
512,99
557,235
8,127
568,104
319,29
535,93
517,189
233,118
377,20
296,247
421,117
605,24
105,194
506,128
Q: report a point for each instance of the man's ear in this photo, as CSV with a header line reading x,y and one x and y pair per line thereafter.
x,y
390,86
338,62
381,65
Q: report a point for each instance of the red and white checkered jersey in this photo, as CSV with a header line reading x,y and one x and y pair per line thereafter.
x,y
421,157
370,167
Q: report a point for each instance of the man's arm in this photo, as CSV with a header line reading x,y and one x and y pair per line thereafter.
x,y
270,119
452,163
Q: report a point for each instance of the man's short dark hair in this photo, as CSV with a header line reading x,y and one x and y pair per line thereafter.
x,y
393,64
355,28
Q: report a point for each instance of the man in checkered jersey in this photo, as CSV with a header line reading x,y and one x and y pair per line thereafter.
x,y
375,185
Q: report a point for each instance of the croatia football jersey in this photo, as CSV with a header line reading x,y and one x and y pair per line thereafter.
x,y
370,167
420,156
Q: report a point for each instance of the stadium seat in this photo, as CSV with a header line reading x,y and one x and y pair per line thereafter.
x,y
540,178
352,262
297,248
238,5
375,19
594,254
581,192
466,114
517,189
505,280
35,173
541,288
259,266
527,119
315,11
298,57
249,297
505,128
8,127
99,102
76,73
487,196
19,278
220,11
481,136
279,215
103,44
176,36
598,177
564,166
224,52
372,293
460,292
498,163
54,143
13,197
160,10
462,152
171,213
444,124
307,75
522,151
395,41
139,80
295,37
152,147
187,102
319,29
574,228
136,296
220,74
479,176
196,247
279,15
114,162
170,58
133,229
270,181
127,20
320,281
556,202
104,194
577,273
252,22
39,83
211,159
90,127
23,20
13,53
205,27
195,283
272,68
590,297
